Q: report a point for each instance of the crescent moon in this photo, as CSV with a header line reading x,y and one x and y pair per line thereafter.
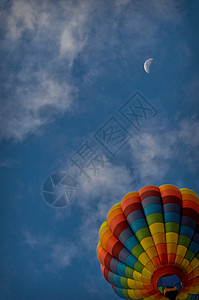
x,y
147,65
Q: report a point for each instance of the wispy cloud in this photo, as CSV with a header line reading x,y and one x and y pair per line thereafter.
x,y
61,255
170,11
97,197
151,153
37,99
74,32
7,163
189,137
113,179
160,148
32,92
42,35
154,153
36,241
57,254
21,17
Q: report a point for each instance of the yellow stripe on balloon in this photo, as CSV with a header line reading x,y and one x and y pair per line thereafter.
x,y
185,191
114,207
104,227
182,296
150,266
133,284
146,272
168,187
181,250
156,228
194,263
172,237
143,258
159,238
171,248
147,242
151,252
185,263
179,260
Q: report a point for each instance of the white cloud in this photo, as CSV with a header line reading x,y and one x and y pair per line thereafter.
x,y
97,197
74,31
38,18
36,241
189,133
122,2
61,255
157,151
151,153
57,253
30,17
7,163
21,18
189,137
69,45
170,11
154,154
65,30
112,179
37,95
37,99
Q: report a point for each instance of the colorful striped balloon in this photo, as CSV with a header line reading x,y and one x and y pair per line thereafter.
x,y
149,238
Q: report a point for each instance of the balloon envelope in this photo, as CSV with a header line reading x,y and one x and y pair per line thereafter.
x,y
149,244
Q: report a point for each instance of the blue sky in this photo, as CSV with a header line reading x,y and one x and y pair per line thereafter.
x,y
67,70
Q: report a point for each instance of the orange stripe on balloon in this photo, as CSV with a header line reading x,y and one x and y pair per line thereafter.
x,y
190,204
114,207
155,260
112,241
105,238
147,285
168,187
102,256
190,197
171,258
118,219
148,188
161,249
99,250
176,193
129,195
129,201
113,215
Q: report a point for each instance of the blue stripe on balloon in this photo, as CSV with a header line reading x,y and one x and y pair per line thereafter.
x,y
186,230
152,208
138,224
117,281
131,260
131,242
121,269
172,217
196,238
194,247
119,292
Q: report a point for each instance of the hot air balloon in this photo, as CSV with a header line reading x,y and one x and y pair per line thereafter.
x,y
149,245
